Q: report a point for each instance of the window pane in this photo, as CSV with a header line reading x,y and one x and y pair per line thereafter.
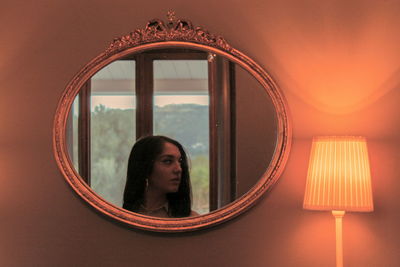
x,y
72,132
181,111
113,108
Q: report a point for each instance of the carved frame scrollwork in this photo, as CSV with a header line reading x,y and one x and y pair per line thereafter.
x,y
158,34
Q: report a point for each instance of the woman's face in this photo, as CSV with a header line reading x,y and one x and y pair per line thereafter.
x,y
166,174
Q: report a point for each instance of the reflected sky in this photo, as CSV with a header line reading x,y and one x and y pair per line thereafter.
x,y
129,101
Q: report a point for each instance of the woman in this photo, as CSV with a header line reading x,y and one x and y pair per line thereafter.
x,y
158,182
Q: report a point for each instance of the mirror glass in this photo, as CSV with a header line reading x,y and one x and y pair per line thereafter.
x,y
216,109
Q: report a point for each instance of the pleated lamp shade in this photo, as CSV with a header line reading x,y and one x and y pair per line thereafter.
x,y
339,175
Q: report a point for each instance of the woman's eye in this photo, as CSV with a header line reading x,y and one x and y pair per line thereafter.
x,y
167,161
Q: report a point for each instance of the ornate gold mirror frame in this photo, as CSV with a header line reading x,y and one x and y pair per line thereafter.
x,y
175,33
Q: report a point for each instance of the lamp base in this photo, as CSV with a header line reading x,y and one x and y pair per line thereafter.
x,y
338,214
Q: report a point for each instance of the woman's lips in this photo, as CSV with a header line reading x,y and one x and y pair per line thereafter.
x,y
176,180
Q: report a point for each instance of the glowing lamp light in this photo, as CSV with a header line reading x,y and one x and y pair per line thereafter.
x,y
339,180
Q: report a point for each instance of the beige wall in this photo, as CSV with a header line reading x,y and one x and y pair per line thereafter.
x,y
337,62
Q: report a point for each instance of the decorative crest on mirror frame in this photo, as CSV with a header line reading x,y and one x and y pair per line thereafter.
x,y
158,34
174,30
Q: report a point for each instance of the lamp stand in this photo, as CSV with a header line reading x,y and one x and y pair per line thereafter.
x,y
338,214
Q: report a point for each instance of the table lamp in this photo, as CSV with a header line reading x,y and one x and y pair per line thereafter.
x,y
338,180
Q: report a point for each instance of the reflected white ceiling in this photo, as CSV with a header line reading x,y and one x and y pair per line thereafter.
x,y
163,69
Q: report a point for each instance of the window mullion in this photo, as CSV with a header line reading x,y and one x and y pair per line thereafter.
x,y
222,137
84,132
144,96
213,125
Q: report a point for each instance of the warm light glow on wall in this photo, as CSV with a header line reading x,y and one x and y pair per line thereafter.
x,y
338,58
339,175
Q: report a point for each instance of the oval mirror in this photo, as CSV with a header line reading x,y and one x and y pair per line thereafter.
x,y
175,80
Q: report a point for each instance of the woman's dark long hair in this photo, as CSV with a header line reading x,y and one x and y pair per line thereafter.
x,y
140,167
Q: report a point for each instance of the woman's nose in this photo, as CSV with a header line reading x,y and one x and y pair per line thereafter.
x,y
177,167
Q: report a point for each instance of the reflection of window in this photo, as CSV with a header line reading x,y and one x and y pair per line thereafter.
x,y
177,93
